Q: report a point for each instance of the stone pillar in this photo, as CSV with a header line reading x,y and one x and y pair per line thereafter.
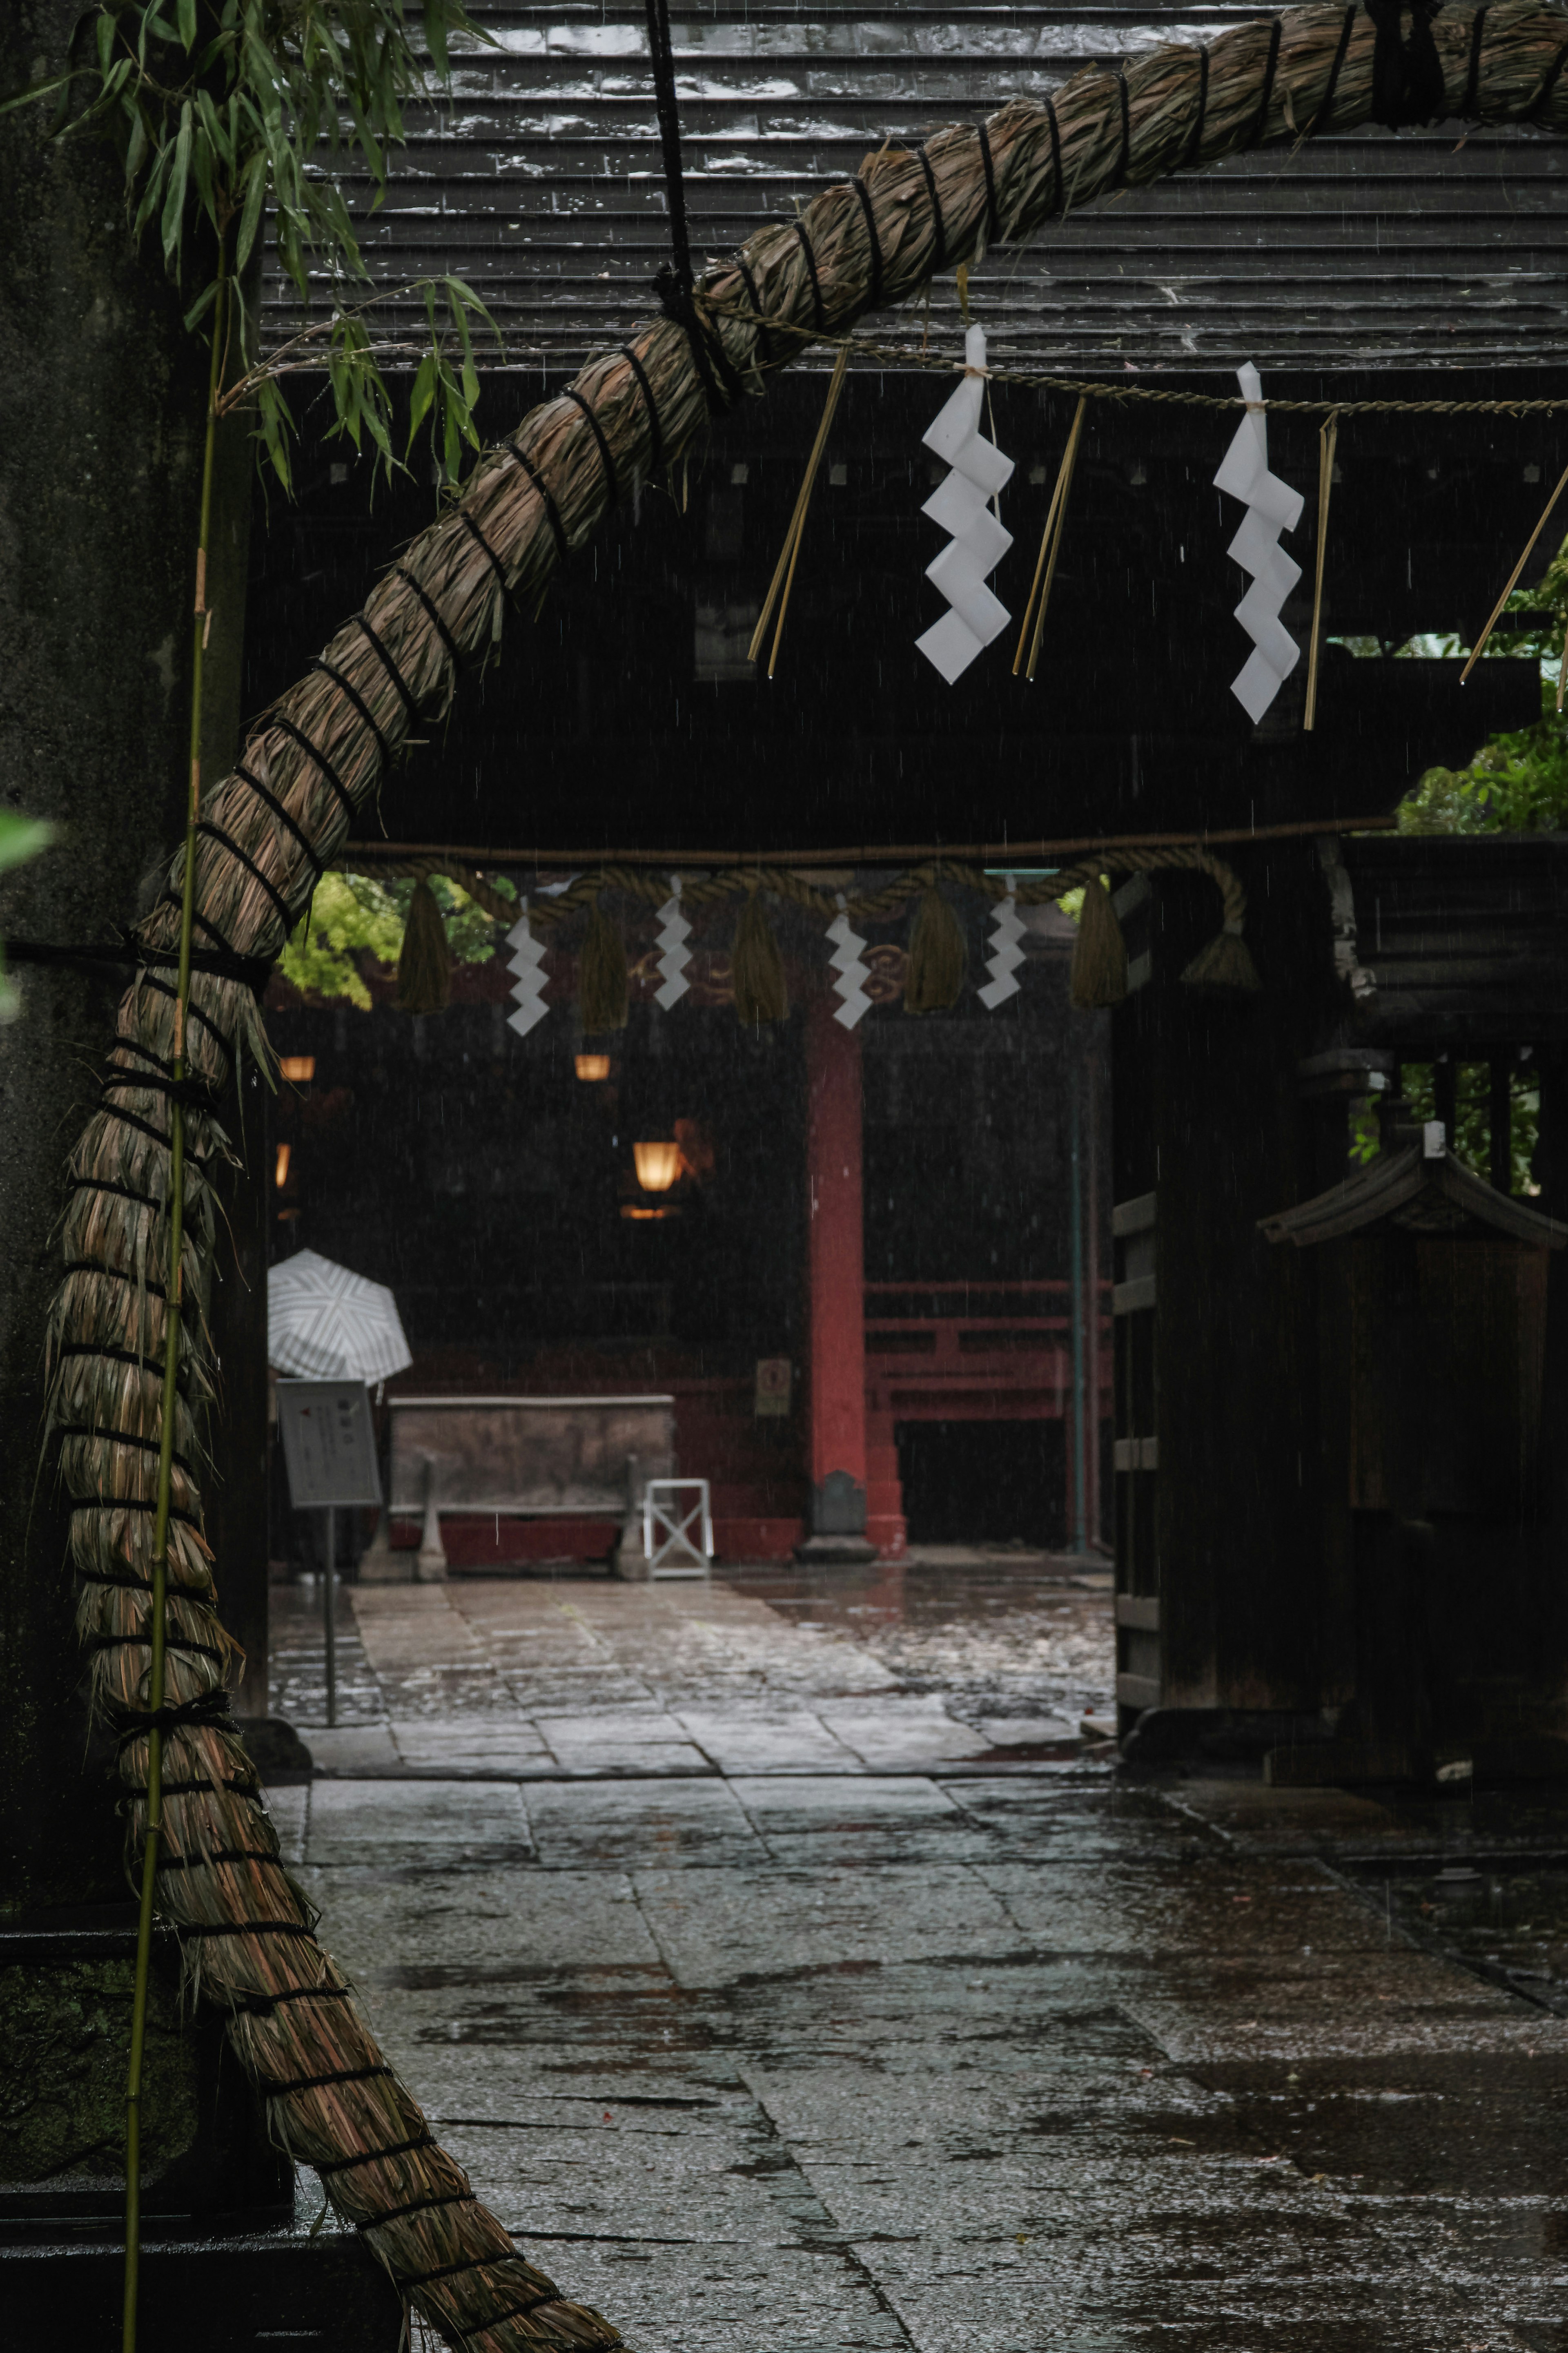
x,y
835,1295
103,397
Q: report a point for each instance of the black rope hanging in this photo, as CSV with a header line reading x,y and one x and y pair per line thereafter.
x,y
674,285
1406,75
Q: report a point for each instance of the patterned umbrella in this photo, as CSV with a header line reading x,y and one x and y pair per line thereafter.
x,y
324,1324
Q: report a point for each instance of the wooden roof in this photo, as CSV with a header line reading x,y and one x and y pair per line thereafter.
x,y
541,184
1428,1194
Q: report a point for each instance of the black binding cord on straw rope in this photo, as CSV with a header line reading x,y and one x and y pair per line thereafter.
x,y
192,1094
511,2312
872,240
765,353
125,1437
993,225
938,226
148,1053
281,2087
207,1929
118,1273
656,431
1549,84
607,463
1118,178
272,802
510,449
346,686
1057,187
328,2166
298,734
433,616
195,1013
226,842
1192,151
486,550
126,1193
416,716
251,972
202,1857
1324,115
422,2206
1260,120
818,314
1470,103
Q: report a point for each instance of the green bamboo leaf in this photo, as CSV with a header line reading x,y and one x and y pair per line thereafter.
x,y
104,31
201,306
186,10
250,218
174,203
22,838
435,17
424,393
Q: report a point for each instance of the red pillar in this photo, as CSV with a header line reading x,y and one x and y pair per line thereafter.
x,y
836,1291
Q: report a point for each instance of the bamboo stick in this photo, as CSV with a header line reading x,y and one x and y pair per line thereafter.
x,y
1328,437
1060,509
784,571
1481,645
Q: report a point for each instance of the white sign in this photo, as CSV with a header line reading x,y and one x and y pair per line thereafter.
x,y
329,1444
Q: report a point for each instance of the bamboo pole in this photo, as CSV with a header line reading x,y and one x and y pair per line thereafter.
x,y
1328,437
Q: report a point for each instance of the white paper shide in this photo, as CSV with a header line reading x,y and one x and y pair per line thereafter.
x,y
1273,506
958,506
851,975
527,960
674,931
1006,953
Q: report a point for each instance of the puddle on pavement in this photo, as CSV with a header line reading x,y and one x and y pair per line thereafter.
x,y
926,1591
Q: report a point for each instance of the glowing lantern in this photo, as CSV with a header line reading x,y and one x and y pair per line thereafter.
x,y
659,1165
593,1066
301,1068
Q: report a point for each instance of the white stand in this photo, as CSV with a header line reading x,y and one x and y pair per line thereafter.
x,y
430,1568
667,1522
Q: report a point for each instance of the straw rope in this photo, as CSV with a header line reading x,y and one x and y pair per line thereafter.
x,y
708,890
309,767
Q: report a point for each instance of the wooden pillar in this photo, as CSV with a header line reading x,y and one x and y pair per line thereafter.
x,y
836,1294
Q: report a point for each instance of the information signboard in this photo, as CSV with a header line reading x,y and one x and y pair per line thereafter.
x,y
329,1444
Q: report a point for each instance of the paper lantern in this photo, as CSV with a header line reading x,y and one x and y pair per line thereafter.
x,y
659,1165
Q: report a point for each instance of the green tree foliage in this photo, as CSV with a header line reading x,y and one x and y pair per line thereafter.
x,y
228,113
21,838
355,924
1517,782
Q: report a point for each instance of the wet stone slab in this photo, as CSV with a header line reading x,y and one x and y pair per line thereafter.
x,y
795,2043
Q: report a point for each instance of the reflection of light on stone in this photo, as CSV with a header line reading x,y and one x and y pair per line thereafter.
x,y
659,1165
301,1068
640,1216
592,1067
285,1154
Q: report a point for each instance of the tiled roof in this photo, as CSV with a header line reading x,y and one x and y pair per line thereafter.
x,y
541,182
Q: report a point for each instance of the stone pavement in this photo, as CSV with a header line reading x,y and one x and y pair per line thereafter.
x,y
778,2012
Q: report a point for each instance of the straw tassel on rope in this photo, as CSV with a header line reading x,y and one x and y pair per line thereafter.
x,y
757,967
938,957
1098,974
310,765
424,961
602,982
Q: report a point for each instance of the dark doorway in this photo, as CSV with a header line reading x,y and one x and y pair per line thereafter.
x,y
984,1482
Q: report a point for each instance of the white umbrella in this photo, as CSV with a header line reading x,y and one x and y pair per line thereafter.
x,y
324,1324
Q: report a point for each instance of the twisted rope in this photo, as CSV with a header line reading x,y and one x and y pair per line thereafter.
x,y
318,757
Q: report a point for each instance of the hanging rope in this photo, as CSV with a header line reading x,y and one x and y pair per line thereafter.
x,y
674,282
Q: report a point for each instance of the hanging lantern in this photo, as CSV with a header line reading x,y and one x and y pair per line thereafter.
x,y
659,1165
594,1067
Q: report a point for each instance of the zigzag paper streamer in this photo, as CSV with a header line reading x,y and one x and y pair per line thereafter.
x,y
1005,956
852,973
527,960
674,931
1273,506
958,505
